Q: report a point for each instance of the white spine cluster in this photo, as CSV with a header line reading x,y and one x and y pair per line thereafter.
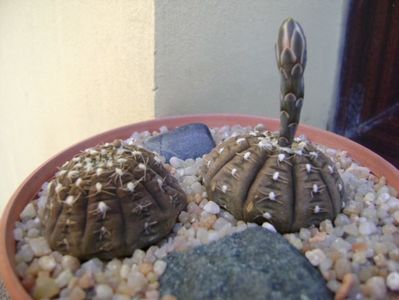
x,y
240,140
267,215
247,155
70,200
102,208
99,187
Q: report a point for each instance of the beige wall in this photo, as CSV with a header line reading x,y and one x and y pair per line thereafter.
x,y
68,70
218,55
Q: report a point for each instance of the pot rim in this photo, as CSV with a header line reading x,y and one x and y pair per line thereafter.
x,y
29,188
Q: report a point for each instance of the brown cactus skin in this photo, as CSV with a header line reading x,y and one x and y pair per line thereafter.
x,y
266,177
123,199
256,180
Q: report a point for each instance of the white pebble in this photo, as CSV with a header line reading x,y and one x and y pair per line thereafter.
x,y
138,256
212,208
161,252
159,267
18,234
227,216
395,216
93,265
63,278
269,227
341,220
197,188
220,223
176,162
213,236
29,212
163,129
351,229
70,263
304,234
190,171
369,197
39,246
341,245
124,271
33,232
152,295
393,281
120,297
136,280
47,263
315,256
366,228
103,291
376,286
294,240
333,285
113,266
361,172
25,253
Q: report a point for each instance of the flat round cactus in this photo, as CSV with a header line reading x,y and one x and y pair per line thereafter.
x,y
268,177
256,180
110,200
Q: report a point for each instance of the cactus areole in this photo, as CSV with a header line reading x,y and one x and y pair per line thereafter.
x,y
110,200
276,178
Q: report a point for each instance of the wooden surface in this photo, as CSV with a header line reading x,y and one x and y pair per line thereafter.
x,y
368,103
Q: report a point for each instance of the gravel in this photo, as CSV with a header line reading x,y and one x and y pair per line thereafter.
x,y
357,253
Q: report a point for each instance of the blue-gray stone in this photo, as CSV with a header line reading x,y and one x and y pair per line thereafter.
x,y
188,141
253,264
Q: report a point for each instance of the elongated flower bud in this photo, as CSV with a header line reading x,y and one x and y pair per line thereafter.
x,y
291,62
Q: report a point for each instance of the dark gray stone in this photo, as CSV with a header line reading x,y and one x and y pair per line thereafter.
x,y
253,264
188,141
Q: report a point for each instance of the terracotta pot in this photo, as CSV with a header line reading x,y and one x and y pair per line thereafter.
x,y
30,187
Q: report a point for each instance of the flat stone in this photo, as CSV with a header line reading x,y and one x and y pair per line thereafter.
x,y
253,264
188,141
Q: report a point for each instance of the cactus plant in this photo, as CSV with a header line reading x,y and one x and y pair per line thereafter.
x,y
110,200
276,178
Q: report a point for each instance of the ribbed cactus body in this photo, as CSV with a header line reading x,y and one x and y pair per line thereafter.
x,y
110,200
256,180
